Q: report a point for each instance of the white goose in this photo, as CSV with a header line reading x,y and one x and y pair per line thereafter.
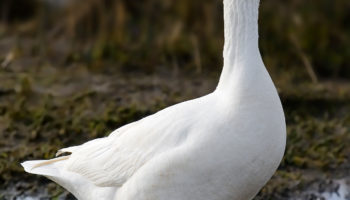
x,y
223,146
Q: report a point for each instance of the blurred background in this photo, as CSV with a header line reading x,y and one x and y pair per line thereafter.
x,y
71,71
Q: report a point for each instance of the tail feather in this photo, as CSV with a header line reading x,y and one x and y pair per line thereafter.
x,y
79,186
31,165
54,169
43,167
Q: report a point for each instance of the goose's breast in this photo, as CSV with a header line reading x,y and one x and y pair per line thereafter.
x,y
241,150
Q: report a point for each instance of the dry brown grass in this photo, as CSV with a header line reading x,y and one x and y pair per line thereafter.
x,y
307,38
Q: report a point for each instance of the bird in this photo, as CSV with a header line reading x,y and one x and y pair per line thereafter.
x,y
225,145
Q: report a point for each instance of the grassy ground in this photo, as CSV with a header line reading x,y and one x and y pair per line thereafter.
x,y
46,108
67,78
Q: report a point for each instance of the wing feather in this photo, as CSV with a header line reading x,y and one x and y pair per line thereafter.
x,y
108,161
111,161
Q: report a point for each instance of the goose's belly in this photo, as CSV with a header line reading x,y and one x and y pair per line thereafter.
x,y
241,157
248,162
228,160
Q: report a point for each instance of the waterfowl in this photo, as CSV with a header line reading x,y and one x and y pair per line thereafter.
x,y
223,146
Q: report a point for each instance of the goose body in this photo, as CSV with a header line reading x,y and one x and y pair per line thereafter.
x,y
223,146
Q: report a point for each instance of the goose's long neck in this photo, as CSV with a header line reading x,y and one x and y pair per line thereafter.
x,y
241,50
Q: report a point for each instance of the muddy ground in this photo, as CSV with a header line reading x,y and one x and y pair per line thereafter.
x,y
46,106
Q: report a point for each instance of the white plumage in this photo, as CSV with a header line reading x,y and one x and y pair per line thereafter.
x,y
223,146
